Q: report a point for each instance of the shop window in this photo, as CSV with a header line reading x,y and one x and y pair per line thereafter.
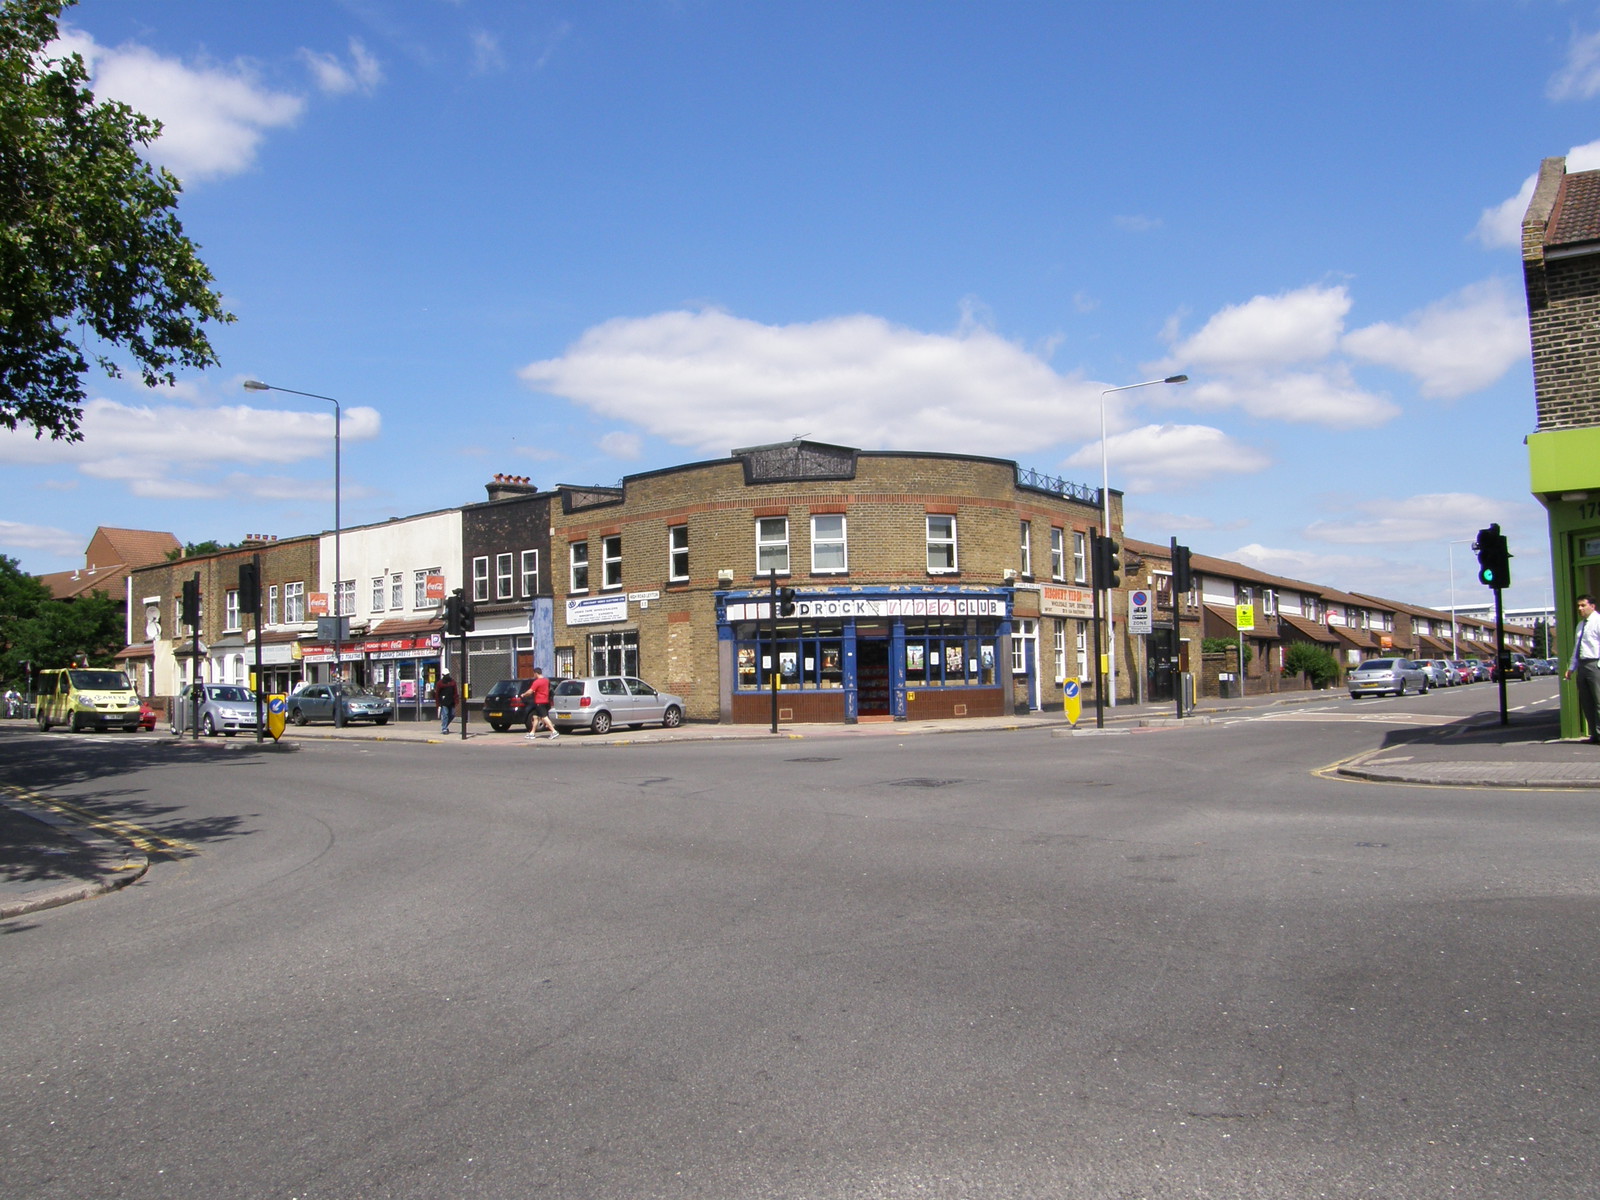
x,y
678,552
530,573
948,654
230,610
578,554
378,591
1027,549
1079,565
808,657
941,544
504,582
480,578
611,562
294,603
614,653
772,545
829,549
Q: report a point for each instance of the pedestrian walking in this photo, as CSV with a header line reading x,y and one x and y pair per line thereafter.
x,y
538,697
1585,665
446,695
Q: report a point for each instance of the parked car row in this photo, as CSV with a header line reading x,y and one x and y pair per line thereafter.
x,y
593,702
1396,676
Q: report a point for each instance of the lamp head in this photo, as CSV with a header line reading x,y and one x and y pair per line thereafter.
x,y
255,385
1168,379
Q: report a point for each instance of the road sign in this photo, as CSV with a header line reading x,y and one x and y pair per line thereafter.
x,y
1140,617
1072,702
1245,617
277,715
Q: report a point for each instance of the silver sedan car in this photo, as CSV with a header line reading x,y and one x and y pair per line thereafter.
x,y
224,708
600,701
1387,676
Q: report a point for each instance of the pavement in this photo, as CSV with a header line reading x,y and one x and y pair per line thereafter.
x,y
52,853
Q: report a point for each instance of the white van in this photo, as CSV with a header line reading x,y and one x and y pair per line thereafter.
x,y
86,698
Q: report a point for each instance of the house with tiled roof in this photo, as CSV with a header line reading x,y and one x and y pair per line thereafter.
x,y
111,554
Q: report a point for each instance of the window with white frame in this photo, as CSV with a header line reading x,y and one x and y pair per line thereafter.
x,y
1024,630
504,581
678,552
611,562
379,591
397,590
272,605
772,545
294,603
1269,602
829,550
344,598
530,573
1058,553
578,562
1061,648
941,544
420,582
1025,539
1079,557
230,610
480,578
1082,646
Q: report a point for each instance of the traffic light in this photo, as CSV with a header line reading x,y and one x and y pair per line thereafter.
x,y
1107,563
786,605
469,616
452,614
189,610
1182,572
250,587
1494,558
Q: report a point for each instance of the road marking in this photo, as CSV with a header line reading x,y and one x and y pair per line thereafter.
x,y
141,838
1383,716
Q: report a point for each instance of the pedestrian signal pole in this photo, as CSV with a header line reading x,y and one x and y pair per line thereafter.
x,y
1494,571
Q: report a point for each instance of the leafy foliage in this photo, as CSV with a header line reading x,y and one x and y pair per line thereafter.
x,y
210,546
91,250
1315,662
1229,646
47,632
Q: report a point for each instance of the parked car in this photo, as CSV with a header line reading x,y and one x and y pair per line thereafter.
x,y
224,709
1463,671
503,706
147,715
1379,675
1481,672
600,701
316,701
1516,667
1439,673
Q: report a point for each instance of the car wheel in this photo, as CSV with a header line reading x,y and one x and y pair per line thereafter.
x,y
77,723
1355,695
380,720
499,726
1400,689
672,718
44,722
601,722
298,717
208,726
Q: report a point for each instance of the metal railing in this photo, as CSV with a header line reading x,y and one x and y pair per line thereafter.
x,y
1056,486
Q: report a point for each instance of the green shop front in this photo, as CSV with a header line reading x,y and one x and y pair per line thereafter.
x,y
1564,470
865,654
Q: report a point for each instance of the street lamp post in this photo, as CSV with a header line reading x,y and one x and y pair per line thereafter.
x,y
256,385
1105,525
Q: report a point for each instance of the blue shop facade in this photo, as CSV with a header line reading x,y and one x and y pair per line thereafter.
x,y
853,654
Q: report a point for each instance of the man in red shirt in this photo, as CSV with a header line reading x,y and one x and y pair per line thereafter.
x,y
538,695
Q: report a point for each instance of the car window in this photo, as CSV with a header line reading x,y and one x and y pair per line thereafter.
x,y
99,681
235,694
1378,664
612,687
569,687
640,688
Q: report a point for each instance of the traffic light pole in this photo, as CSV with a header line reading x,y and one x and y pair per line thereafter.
x,y
772,677
1099,677
1501,659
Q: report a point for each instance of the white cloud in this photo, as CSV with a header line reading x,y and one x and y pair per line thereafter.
x,y
172,451
213,117
621,445
1325,396
487,56
1457,345
1135,223
714,381
1267,332
1438,517
333,77
1159,457
41,537
1579,76
1307,565
1501,226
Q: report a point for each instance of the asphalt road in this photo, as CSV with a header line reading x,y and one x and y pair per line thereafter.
x,y
1174,963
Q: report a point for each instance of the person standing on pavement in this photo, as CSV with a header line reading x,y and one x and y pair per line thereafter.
x,y
538,696
1586,665
445,694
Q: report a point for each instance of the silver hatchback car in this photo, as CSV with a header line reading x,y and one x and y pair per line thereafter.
x,y
224,708
597,702
1378,676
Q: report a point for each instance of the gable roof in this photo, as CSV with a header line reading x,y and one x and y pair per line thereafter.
x,y
130,547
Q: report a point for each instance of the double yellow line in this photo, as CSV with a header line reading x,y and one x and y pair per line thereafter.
x,y
145,840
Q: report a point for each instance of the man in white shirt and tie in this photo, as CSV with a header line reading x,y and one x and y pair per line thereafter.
x,y
1586,664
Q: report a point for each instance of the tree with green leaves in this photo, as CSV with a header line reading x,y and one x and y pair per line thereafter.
x,y
93,259
37,628
1315,662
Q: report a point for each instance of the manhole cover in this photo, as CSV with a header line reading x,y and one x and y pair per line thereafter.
x,y
923,783
813,758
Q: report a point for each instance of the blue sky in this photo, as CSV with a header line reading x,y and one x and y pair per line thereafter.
x,y
579,240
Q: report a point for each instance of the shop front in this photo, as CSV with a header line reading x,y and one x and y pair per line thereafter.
x,y
404,666
863,654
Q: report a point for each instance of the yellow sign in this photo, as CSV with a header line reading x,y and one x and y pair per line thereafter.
x,y
1244,617
277,715
1073,701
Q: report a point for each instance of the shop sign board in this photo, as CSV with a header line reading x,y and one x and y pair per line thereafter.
x,y
825,607
1246,614
1056,600
317,604
597,610
433,588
